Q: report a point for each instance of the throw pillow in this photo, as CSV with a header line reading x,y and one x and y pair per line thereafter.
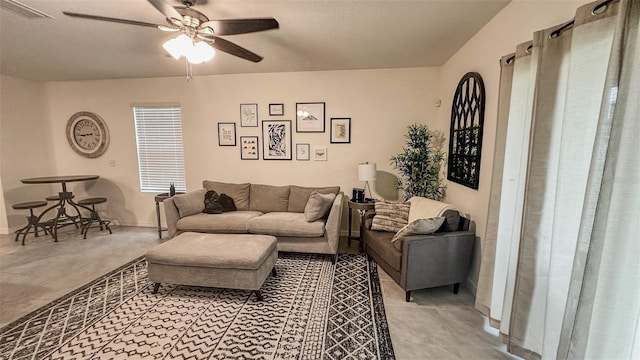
x,y
190,203
390,216
211,204
419,227
318,206
299,196
452,220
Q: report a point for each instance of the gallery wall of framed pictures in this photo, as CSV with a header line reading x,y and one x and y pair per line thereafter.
x,y
273,138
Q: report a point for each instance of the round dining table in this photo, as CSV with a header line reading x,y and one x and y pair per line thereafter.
x,y
61,218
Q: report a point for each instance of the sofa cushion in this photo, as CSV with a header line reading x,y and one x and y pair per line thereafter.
x,y
318,206
390,216
268,198
285,224
190,203
234,222
238,192
299,196
417,227
380,243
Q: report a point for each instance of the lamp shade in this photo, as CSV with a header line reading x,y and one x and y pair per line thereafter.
x,y
366,172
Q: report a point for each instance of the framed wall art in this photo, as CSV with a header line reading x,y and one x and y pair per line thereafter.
x,y
320,154
302,151
276,109
249,115
249,148
310,117
340,130
465,133
276,139
227,134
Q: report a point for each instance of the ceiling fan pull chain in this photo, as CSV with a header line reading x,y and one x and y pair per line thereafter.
x,y
189,70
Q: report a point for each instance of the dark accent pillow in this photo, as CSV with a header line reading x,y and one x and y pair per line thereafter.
x,y
211,203
453,219
227,203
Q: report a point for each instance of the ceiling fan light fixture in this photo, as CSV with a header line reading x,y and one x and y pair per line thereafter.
x,y
183,45
201,52
179,46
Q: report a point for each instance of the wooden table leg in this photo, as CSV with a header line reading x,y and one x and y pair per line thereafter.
x,y
349,236
360,242
158,220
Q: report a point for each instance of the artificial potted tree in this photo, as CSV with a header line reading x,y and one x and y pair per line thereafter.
x,y
420,163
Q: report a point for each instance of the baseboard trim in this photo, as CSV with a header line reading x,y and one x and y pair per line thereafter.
x,y
471,286
9,231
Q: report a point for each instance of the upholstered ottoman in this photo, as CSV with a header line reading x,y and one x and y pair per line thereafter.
x,y
234,261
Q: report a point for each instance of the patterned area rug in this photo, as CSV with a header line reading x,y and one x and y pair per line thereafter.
x,y
312,309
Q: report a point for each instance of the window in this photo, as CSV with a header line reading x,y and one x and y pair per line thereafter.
x,y
160,150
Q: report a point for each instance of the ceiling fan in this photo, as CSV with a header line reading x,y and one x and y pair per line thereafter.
x,y
197,27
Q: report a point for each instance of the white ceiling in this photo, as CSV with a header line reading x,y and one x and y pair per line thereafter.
x,y
313,35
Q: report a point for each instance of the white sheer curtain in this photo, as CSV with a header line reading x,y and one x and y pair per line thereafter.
x,y
566,281
483,295
513,183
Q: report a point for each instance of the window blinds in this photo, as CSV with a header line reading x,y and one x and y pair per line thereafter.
x,y
160,150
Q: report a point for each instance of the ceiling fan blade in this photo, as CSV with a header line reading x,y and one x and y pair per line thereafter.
x,y
231,48
241,26
110,19
166,9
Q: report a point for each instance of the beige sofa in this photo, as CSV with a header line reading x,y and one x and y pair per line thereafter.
x,y
261,209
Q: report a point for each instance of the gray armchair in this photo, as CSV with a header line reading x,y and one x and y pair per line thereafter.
x,y
422,261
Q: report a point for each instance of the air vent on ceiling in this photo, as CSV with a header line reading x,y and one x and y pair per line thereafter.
x,y
23,10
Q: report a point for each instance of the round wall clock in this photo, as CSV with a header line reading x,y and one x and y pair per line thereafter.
x,y
87,134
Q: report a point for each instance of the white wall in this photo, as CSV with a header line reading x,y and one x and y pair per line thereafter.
x,y
381,103
25,147
513,25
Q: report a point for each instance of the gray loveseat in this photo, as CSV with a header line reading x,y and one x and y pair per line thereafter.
x,y
418,261
261,209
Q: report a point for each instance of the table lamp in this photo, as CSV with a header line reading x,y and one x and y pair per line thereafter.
x,y
366,173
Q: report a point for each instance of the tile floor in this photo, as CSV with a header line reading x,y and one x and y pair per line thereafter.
x,y
436,324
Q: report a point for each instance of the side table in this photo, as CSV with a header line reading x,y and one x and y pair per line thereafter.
x,y
362,208
160,198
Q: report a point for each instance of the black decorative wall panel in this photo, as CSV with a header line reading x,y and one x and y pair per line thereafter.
x,y
465,134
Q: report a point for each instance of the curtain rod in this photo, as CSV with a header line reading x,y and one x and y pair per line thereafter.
x,y
598,9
